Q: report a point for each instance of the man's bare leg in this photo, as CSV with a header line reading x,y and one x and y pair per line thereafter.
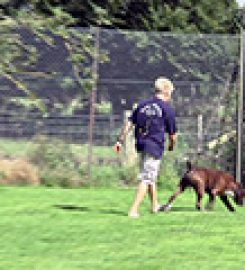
x,y
140,194
152,191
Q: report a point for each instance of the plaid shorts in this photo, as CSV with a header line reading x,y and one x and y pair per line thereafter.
x,y
149,168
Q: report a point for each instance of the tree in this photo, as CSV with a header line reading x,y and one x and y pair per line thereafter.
x,y
185,16
47,19
44,22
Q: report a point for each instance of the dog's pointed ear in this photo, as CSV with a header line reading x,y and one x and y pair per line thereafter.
x,y
243,184
188,165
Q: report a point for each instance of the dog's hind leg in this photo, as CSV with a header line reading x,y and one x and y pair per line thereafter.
x,y
226,202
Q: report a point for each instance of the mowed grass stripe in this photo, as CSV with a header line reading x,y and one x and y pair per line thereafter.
x,y
89,229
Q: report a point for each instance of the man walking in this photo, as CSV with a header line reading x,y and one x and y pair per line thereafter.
x,y
152,119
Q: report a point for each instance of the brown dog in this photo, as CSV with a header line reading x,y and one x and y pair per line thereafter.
x,y
213,182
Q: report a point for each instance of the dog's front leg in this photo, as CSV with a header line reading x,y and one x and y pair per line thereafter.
x,y
199,192
226,202
210,204
175,195
199,199
168,205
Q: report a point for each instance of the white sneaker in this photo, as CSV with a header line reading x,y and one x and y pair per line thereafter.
x,y
156,210
133,215
165,208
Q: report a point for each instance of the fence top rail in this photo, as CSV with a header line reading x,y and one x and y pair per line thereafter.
x,y
164,33
139,81
40,116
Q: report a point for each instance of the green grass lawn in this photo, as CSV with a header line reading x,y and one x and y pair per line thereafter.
x,y
14,147
89,229
20,148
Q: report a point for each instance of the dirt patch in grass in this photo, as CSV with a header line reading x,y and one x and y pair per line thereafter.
x,y
18,171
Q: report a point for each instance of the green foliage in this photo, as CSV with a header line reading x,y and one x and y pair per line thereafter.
x,y
69,108
26,102
67,82
193,57
56,163
128,175
104,176
168,176
104,107
14,149
186,16
65,165
48,19
113,176
173,166
45,24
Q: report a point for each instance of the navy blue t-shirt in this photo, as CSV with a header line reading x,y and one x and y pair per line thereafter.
x,y
152,119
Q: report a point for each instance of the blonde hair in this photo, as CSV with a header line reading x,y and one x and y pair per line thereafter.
x,y
163,85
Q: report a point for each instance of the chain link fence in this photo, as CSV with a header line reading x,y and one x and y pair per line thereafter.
x,y
120,71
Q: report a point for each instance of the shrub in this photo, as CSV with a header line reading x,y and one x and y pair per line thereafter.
x,y
104,176
169,175
128,175
173,166
110,176
18,172
57,165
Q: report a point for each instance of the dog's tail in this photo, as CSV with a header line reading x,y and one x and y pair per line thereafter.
x,y
188,165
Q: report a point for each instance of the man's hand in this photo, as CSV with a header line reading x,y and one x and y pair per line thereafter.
x,y
121,138
171,147
172,140
117,147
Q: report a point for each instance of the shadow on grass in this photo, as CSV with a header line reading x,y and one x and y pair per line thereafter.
x,y
112,212
71,207
183,209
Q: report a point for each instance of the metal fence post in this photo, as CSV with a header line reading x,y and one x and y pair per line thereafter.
x,y
200,133
130,152
240,114
95,74
112,127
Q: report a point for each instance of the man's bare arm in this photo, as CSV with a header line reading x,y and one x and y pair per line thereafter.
x,y
124,131
122,136
172,142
